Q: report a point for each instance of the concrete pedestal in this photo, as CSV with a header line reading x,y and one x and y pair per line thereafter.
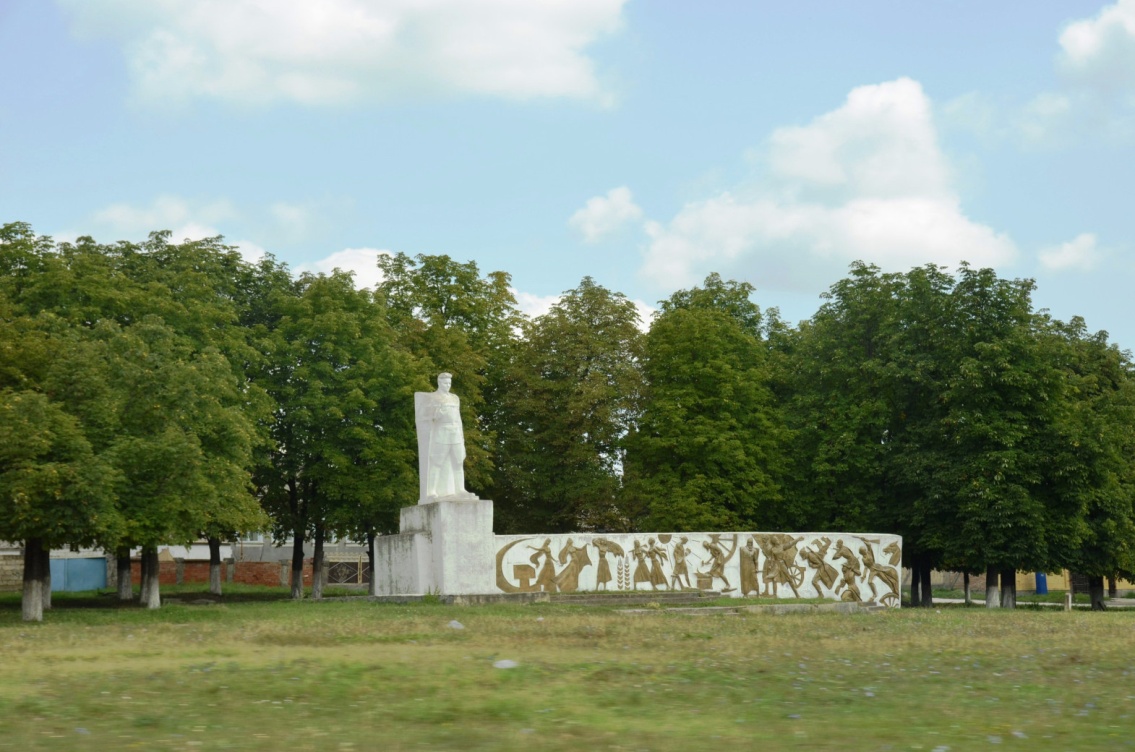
x,y
445,547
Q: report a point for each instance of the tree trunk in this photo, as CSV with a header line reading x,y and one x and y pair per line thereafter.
x,y
1095,592
125,583
1008,588
215,566
151,570
992,592
297,564
372,583
927,592
144,579
317,565
45,580
915,586
32,602
966,588
1112,587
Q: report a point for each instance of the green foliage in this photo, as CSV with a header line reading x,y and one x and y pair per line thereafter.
x,y
454,320
141,383
343,451
136,345
1093,462
53,487
573,394
945,409
838,408
707,453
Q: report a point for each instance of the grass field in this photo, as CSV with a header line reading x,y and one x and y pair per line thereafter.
x,y
276,675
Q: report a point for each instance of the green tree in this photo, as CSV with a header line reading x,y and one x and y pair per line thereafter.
x,y
453,319
837,407
930,405
139,358
54,489
342,458
573,394
1093,459
985,498
708,451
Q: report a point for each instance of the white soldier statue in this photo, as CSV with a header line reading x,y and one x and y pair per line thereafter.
x,y
441,443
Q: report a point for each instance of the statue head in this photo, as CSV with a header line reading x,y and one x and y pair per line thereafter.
x,y
444,380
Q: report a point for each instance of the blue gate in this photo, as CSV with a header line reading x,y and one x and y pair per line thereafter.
x,y
72,575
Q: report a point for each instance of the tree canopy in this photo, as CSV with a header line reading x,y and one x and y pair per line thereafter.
x,y
154,393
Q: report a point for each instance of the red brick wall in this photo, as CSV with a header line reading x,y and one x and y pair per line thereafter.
x,y
265,572
167,572
197,571
246,572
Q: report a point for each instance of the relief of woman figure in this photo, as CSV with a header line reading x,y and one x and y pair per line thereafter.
x,y
657,555
574,558
603,574
546,580
641,571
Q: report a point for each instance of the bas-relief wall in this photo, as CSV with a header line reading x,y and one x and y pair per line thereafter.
x,y
838,566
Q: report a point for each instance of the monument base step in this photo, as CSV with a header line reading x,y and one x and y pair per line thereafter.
x,y
633,597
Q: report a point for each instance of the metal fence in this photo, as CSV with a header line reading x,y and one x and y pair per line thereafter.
x,y
348,570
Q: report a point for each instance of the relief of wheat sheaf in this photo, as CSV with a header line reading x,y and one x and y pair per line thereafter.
x,y
625,574
619,574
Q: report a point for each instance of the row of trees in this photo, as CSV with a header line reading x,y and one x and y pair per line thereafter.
x,y
159,393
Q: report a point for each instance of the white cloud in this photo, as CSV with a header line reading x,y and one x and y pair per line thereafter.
x,y
166,213
1082,253
1096,93
184,220
604,215
865,181
362,261
294,219
645,313
974,112
881,142
1100,51
335,51
534,306
249,251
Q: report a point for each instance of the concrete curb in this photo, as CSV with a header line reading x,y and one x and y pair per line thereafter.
x,y
773,609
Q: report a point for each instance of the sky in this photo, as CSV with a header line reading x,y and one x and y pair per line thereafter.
x,y
642,143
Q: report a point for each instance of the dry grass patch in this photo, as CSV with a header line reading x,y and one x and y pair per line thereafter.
x,y
359,675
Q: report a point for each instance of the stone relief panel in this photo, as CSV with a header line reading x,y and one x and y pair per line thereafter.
x,y
836,566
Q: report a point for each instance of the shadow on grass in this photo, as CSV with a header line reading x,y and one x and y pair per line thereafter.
x,y
175,594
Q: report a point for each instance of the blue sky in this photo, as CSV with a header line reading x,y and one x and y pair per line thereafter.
x,y
643,143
